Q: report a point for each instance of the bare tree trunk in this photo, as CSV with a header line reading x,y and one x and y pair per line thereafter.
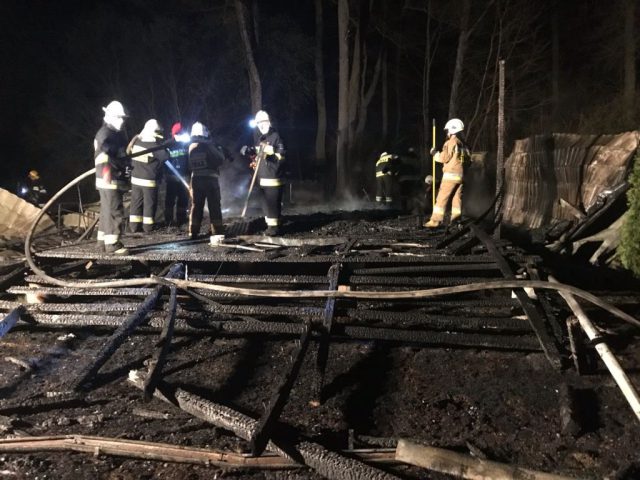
x,y
255,86
385,99
343,94
555,65
426,86
255,17
321,104
629,59
354,87
463,40
367,95
398,91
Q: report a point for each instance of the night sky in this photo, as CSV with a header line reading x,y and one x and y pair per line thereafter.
x,y
183,60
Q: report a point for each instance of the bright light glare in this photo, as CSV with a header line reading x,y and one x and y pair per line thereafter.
x,y
183,138
24,190
252,123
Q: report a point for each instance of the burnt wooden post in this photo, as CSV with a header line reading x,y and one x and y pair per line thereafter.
x,y
500,150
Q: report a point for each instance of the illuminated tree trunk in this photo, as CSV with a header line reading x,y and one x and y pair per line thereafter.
x,y
255,86
321,104
343,100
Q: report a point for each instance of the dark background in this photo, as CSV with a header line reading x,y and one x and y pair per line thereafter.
x,y
183,60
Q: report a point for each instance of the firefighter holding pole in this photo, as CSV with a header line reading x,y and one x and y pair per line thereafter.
x,y
453,156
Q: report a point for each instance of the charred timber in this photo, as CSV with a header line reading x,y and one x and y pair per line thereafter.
x,y
324,462
162,348
456,267
325,333
123,331
262,433
536,321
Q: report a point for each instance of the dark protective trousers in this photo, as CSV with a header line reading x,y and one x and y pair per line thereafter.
x,y
144,201
384,189
205,189
272,205
177,197
111,215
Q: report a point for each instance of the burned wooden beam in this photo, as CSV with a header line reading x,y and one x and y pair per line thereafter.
x,y
162,348
439,281
454,267
122,332
536,321
263,431
325,334
325,462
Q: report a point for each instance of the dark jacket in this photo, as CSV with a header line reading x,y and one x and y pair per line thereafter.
x,y
179,158
271,167
109,155
205,159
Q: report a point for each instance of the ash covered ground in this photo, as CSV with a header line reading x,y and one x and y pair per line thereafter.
x,y
508,406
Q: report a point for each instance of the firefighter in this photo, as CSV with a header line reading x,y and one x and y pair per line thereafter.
x,y
385,172
177,195
145,176
453,157
33,190
270,164
205,161
111,166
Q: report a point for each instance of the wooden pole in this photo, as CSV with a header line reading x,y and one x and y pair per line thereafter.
x,y
433,165
464,466
500,150
253,181
609,359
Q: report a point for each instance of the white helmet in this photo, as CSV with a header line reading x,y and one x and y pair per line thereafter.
x,y
151,130
199,130
114,114
454,126
262,121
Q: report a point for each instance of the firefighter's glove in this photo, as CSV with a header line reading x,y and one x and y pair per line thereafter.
x,y
106,174
243,150
433,151
268,150
253,165
428,180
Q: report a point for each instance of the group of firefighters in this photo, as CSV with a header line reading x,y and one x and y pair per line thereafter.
x,y
139,165
397,176
194,162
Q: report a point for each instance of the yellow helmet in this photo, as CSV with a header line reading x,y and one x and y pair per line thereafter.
x,y
34,175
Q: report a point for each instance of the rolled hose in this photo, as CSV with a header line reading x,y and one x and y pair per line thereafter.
x,y
189,284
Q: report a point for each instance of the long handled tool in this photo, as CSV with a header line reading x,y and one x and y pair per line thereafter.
x,y
433,164
259,156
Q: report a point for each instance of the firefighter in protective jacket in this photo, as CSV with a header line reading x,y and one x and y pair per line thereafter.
x,y
269,161
111,166
177,196
205,161
385,173
453,156
145,174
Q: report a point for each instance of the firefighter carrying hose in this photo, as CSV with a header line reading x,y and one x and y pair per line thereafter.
x,y
177,196
453,156
269,162
385,173
109,148
205,161
145,175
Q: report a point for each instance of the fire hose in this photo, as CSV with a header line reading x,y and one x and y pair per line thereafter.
x,y
190,284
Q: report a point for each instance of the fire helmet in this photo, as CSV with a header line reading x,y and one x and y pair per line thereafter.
x,y
199,130
114,114
454,126
175,128
151,130
262,121
34,175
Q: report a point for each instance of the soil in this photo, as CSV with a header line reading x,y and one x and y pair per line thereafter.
x,y
504,405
